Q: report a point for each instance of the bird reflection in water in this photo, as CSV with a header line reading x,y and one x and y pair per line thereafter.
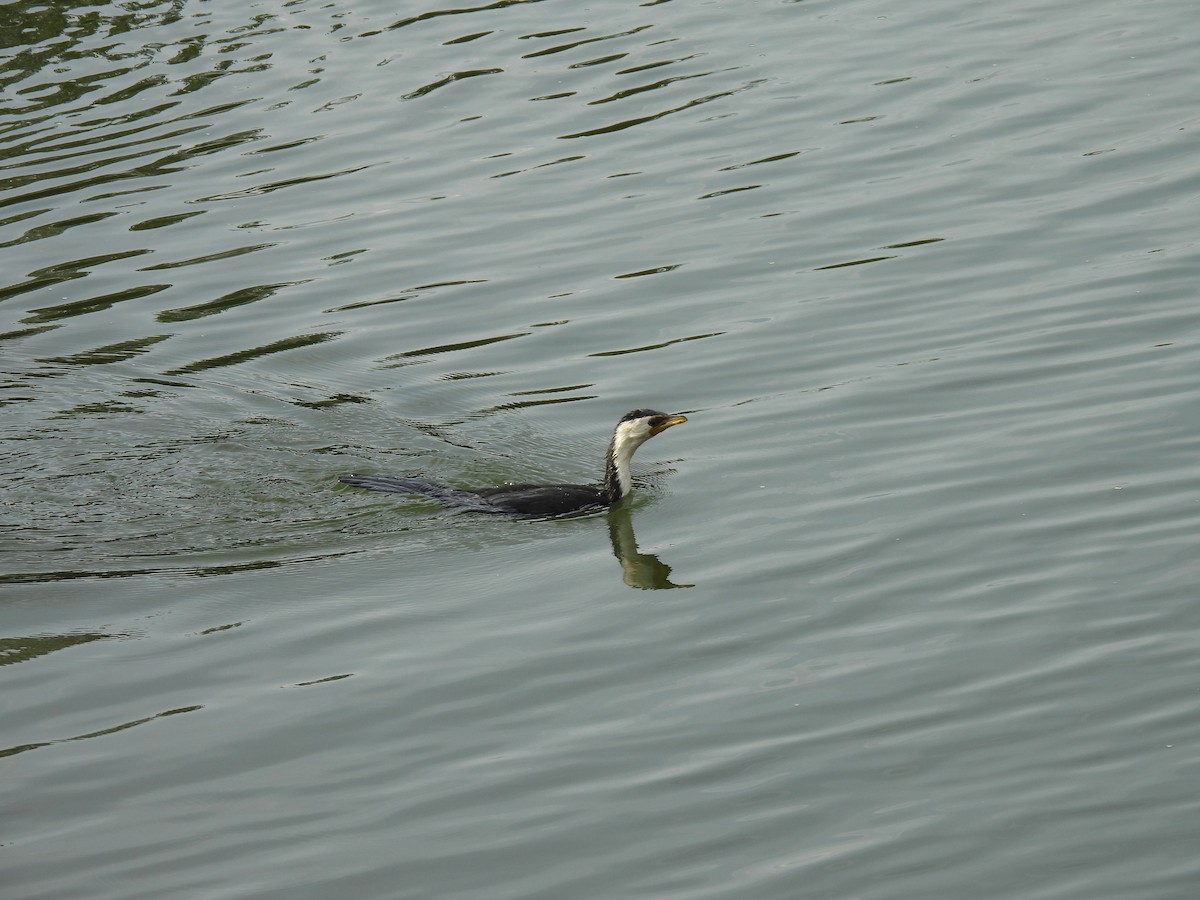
x,y
639,570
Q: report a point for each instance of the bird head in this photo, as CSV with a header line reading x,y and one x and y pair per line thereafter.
x,y
638,426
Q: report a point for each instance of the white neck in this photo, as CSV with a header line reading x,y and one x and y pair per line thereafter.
x,y
618,481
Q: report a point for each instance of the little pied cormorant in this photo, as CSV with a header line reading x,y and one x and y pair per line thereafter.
x,y
541,500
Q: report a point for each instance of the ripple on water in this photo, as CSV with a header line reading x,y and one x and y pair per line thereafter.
x,y
925,279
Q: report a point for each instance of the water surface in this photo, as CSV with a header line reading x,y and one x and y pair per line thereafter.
x,y
905,610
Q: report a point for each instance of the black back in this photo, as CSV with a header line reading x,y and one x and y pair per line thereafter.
x,y
544,499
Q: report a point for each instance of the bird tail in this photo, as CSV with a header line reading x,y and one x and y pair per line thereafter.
x,y
398,484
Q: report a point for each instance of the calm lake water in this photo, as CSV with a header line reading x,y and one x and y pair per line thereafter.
x,y
906,610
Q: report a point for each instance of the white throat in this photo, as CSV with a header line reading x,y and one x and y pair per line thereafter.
x,y
628,437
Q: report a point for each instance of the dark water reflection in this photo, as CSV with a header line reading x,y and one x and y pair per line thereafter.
x,y
639,570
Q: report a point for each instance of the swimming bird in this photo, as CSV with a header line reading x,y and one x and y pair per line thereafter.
x,y
543,500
